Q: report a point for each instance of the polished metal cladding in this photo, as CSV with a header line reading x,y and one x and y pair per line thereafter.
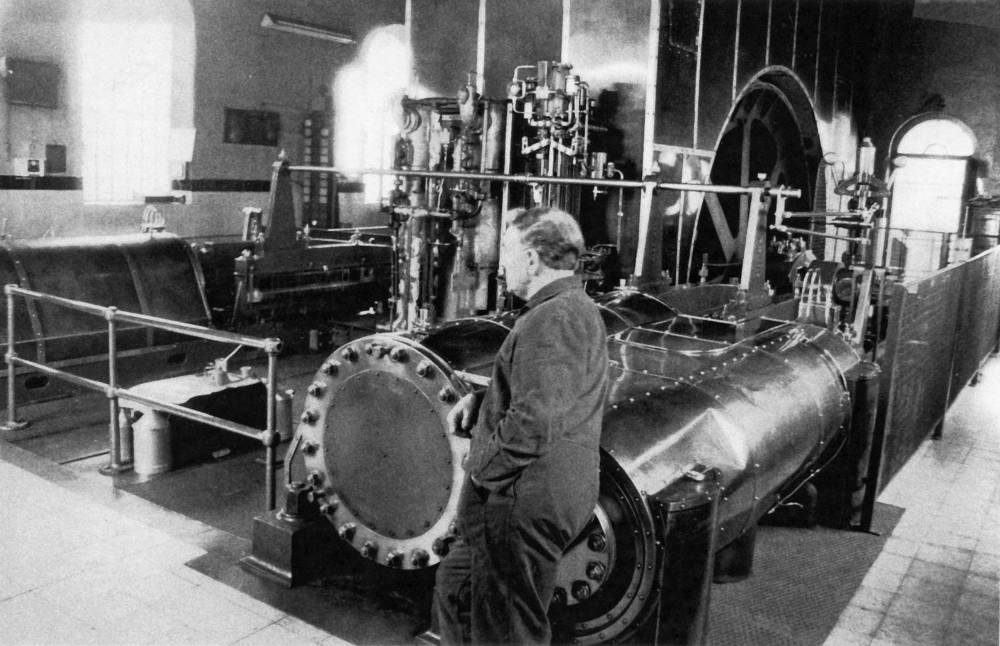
x,y
756,402
760,409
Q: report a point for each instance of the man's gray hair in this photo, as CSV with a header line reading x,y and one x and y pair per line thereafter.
x,y
553,233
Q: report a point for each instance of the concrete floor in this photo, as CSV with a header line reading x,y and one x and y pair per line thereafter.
x,y
76,567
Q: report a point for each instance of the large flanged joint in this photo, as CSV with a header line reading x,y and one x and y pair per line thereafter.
x,y
375,424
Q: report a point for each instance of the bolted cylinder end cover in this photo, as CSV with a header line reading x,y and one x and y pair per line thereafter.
x,y
379,444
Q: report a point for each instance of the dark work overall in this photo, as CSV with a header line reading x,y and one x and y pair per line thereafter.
x,y
532,474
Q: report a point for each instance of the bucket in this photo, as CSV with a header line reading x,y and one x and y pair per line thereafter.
x,y
151,444
283,414
984,225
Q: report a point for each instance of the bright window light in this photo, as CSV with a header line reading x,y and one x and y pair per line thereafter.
x,y
368,94
931,164
126,80
927,194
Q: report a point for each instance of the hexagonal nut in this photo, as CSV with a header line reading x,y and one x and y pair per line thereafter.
x,y
419,558
377,350
595,570
394,558
425,368
447,394
316,389
581,590
310,448
369,549
398,354
442,545
309,416
597,541
315,479
330,368
329,507
349,353
347,531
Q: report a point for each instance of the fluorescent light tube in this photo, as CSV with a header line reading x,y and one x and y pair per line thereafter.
x,y
302,28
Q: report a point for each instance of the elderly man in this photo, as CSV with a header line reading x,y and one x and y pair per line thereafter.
x,y
532,472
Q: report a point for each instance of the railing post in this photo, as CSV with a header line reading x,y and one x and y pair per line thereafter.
x,y
114,464
12,423
271,433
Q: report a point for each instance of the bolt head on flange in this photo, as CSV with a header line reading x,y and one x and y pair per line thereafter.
x,y
597,541
595,570
346,531
419,558
425,368
369,550
442,545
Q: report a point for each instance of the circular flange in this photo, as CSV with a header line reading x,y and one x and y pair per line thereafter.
x,y
383,465
619,596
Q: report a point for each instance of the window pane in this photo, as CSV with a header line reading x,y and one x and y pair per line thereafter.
x,y
927,194
937,137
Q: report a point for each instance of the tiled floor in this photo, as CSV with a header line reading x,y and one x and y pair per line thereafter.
x,y
73,571
76,571
936,581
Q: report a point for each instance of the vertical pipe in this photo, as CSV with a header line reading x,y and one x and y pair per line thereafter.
x,y
652,56
697,75
564,53
114,435
819,43
481,48
795,34
736,51
767,41
753,236
271,431
508,154
680,230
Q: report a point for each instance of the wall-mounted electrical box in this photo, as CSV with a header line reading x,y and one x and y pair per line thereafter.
x,y
29,167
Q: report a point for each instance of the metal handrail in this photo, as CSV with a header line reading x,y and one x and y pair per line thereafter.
x,y
113,316
776,191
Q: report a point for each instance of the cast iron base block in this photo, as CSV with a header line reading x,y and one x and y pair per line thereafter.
x,y
288,550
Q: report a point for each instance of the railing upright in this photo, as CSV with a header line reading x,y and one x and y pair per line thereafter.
x,y
12,423
271,439
271,346
114,431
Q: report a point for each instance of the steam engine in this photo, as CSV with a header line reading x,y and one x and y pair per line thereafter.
x,y
716,412
707,425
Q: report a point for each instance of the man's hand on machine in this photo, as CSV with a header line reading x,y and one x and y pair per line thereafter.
x,y
462,417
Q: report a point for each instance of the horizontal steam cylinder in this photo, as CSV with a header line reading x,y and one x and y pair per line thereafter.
x,y
155,274
707,424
